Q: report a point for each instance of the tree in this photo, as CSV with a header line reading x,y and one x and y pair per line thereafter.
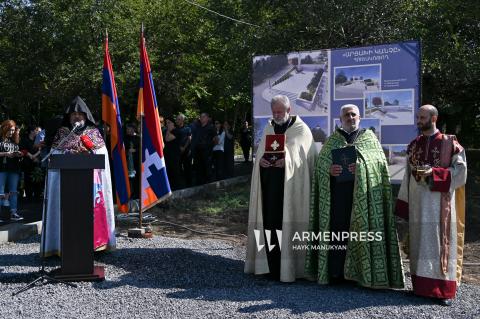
x,y
51,50
307,60
377,101
340,78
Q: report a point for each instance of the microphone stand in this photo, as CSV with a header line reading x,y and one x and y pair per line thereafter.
x,y
45,277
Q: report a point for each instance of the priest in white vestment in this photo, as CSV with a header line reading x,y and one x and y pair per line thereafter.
x,y
280,196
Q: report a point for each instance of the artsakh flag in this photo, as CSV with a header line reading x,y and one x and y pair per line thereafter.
x,y
111,116
154,179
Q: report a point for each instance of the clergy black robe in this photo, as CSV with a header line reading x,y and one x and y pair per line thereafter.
x,y
272,179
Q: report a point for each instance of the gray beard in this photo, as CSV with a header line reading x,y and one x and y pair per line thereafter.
x,y
353,128
282,121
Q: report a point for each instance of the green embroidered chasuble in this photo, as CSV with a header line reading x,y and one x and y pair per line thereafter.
x,y
374,264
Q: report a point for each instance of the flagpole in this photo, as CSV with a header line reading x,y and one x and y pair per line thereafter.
x,y
140,224
140,179
105,122
147,104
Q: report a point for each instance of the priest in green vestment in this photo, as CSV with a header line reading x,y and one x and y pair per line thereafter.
x,y
352,226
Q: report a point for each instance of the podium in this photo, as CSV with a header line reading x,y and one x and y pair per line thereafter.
x,y
76,216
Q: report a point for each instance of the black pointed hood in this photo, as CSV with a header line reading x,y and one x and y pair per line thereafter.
x,y
77,105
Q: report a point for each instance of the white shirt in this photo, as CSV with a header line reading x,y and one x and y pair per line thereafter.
x,y
221,142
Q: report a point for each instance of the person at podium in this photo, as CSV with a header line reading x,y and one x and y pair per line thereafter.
x,y
351,211
78,135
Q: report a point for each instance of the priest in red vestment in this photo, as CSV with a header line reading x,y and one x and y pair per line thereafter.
x,y
432,199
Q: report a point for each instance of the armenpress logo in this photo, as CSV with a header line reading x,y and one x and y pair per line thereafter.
x,y
268,236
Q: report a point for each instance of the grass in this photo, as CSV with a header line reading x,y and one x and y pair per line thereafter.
x,y
221,201
225,202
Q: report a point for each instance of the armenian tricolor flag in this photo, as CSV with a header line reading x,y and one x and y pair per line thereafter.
x,y
111,116
154,179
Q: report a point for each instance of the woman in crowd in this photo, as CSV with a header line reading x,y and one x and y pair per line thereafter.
x,y
246,141
229,149
132,147
218,151
32,175
172,155
10,161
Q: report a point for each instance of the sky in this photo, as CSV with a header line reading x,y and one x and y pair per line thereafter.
x,y
313,121
404,97
368,71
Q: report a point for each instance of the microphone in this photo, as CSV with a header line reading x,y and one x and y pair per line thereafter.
x,y
75,127
78,125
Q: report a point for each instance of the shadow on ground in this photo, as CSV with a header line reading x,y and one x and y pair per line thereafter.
x,y
214,278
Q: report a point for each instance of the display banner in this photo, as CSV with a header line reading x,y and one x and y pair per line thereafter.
x,y
382,80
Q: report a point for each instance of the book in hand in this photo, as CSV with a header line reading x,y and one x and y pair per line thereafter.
x,y
344,157
274,147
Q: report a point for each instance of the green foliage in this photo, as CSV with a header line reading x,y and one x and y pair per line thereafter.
x,y
283,77
307,60
52,50
377,101
266,67
340,78
312,86
306,96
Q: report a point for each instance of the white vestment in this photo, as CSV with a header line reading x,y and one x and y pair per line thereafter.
x,y
300,153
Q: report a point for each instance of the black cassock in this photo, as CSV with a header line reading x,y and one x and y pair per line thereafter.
x,y
272,180
341,199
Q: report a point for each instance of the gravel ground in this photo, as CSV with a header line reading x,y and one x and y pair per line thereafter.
x,y
202,278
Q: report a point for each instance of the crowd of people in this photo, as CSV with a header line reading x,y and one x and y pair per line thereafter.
x,y
202,151
20,166
195,154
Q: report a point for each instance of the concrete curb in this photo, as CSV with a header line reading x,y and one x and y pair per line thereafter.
x,y
17,231
192,191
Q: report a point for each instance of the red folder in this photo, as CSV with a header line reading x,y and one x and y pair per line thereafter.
x,y
274,147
